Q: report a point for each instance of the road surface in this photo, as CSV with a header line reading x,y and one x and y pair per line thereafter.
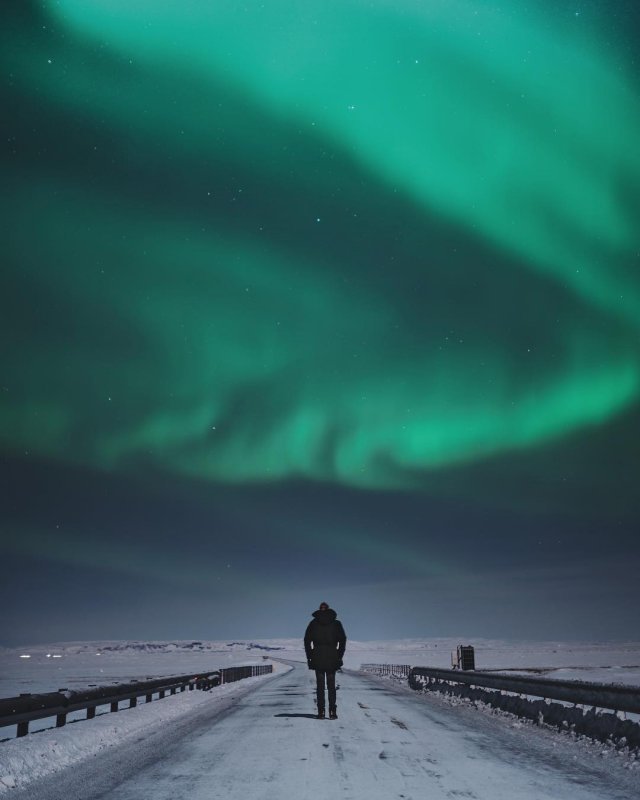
x,y
387,743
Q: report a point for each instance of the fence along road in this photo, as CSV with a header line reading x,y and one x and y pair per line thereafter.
x,y
388,742
26,708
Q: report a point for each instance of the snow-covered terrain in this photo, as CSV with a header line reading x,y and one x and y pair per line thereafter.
x,y
42,760
73,665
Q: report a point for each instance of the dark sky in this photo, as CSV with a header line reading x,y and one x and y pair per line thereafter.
x,y
309,302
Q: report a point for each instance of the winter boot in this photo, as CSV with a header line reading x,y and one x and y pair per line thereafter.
x,y
333,714
320,713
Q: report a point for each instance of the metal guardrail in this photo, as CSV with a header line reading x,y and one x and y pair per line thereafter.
x,y
590,709
597,695
24,709
395,670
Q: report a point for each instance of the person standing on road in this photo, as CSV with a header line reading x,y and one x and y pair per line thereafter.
x,y
324,645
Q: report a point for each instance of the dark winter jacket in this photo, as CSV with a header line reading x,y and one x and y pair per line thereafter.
x,y
325,641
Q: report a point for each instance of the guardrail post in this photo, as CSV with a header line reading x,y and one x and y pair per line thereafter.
x,y
23,728
114,705
91,712
61,720
148,697
133,702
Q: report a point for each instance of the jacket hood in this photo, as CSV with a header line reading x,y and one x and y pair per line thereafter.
x,y
324,617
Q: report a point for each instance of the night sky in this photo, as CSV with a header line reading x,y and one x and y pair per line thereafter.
x,y
307,301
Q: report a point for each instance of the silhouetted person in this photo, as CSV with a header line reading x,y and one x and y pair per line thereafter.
x,y
324,644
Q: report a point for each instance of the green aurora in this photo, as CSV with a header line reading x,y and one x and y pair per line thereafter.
x,y
353,243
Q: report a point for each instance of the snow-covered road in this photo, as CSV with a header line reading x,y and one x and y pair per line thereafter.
x,y
387,743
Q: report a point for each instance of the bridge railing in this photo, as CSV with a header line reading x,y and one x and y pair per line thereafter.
x,y
22,710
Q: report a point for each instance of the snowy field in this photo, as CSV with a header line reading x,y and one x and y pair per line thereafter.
x,y
74,665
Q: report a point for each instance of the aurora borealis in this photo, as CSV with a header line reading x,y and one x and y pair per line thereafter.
x,y
310,299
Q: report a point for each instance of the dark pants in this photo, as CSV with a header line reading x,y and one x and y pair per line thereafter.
x,y
331,687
